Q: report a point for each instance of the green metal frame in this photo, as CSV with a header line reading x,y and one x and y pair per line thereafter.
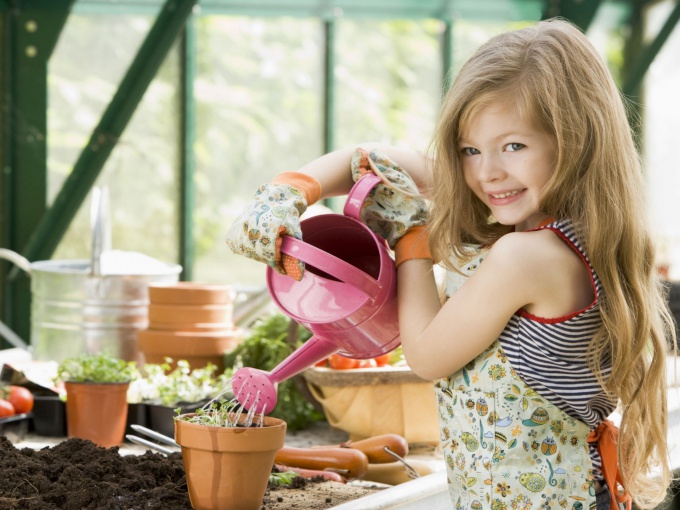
x,y
30,28
188,136
638,68
580,12
327,9
36,231
157,44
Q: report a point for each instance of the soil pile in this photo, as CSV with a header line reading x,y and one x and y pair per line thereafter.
x,y
76,474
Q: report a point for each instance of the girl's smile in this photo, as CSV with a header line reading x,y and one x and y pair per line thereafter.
x,y
505,197
507,162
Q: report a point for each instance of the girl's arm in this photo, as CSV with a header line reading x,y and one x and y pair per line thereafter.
x,y
332,170
276,207
518,272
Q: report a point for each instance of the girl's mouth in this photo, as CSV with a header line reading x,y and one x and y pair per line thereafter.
x,y
506,197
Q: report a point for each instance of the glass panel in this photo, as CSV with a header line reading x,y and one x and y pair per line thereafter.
x,y
86,67
662,151
259,99
389,80
469,35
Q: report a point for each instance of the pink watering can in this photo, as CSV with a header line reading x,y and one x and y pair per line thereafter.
x,y
347,297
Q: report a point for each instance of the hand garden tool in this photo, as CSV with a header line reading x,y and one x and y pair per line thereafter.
x,y
153,435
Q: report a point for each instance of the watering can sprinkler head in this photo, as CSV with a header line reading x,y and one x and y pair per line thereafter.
x,y
254,390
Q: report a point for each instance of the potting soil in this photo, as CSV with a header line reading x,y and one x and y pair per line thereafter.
x,y
76,474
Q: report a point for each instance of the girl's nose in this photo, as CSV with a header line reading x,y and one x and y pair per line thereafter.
x,y
490,168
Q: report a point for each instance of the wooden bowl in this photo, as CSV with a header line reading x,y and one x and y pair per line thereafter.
x,y
367,402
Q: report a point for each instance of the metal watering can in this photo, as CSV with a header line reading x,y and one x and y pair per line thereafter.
x,y
95,305
347,297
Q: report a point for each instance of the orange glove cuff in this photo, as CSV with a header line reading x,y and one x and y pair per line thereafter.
x,y
413,245
308,185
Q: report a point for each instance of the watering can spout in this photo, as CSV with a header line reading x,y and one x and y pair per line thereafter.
x,y
257,389
312,351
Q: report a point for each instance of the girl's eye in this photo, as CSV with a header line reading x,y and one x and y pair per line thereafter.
x,y
469,151
513,147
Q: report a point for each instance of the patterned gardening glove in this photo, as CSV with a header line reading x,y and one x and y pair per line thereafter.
x,y
275,211
392,208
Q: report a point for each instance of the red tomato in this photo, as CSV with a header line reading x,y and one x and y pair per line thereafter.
x,y
321,363
340,362
383,360
21,398
6,409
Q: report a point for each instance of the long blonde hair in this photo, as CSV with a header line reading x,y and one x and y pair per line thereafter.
x,y
556,80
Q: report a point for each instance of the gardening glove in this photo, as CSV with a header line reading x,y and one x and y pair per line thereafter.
x,y
274,212
395,210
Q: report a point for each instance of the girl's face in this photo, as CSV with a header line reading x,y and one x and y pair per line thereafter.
x,y
506,163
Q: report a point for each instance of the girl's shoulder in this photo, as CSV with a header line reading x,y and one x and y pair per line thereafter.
x,y
557,274
532,247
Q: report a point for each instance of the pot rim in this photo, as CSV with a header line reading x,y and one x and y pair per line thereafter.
x,y
273,423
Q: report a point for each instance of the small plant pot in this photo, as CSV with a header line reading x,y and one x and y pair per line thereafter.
x,y
228,467
97,412
49,416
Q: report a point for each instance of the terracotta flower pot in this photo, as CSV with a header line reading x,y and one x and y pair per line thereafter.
x,y
197,347
97,411
183,314
228,467
191,326
188,293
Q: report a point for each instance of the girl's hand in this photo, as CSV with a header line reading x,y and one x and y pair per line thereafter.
x,y
256,233
394,207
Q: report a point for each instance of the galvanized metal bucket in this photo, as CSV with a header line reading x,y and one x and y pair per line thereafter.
x,y
74,311
92,306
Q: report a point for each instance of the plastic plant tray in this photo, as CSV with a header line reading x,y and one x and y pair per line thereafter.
x,y
15,427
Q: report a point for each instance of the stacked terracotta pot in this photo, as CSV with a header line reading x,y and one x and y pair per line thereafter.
x,y
189,321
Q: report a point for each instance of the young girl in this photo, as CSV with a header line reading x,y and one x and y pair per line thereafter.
x,y
554,315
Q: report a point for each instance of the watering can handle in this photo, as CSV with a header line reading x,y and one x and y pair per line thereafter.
x,y
358,194
330,264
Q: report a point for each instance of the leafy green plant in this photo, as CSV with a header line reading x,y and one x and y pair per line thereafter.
x,y
96,368
284,478
158,384
266,347
222,414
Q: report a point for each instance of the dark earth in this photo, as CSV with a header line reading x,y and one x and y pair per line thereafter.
x,y
76,474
